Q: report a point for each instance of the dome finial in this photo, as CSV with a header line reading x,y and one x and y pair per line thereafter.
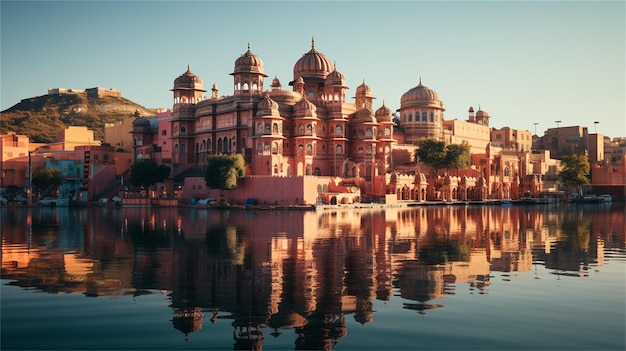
x,y
188,68
313,42
420,80
248,46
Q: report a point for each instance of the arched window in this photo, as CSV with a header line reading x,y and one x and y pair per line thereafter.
x,y
197,147
254,87
208,145
275,128
301,129
309,129
369,149
339,150
175,148
183,130
432,116
219,145
275,148
360,149
410,117
309,149
183,148
266,129
506,171
243,142
259,148
259,128
424,116
339,130
245,86
266,149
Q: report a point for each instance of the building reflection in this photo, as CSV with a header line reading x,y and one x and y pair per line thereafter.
x,y
302,273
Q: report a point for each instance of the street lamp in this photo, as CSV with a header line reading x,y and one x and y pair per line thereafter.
x,y
596,126
557,123
535,127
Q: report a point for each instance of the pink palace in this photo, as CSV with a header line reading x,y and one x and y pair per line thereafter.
x,y
310,145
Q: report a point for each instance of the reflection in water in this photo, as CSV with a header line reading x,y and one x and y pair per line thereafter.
x,y
298,272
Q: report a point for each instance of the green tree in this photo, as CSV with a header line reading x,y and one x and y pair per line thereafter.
x,y
222,171
147,172
458,156
47,179
439,156
574,171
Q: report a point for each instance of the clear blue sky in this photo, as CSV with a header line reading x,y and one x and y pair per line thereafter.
x,y
523,62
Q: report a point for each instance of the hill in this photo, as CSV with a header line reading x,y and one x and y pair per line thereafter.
x,y
43,117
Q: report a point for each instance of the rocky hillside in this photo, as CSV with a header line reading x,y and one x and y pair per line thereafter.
x,y
43,117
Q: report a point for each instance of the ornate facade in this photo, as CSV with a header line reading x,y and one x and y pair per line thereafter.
x,y
313,130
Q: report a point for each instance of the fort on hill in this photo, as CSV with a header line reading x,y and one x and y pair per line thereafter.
x,y
96,92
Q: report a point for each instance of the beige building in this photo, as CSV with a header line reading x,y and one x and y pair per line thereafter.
x,y
118,134
614,150
511,139
74,136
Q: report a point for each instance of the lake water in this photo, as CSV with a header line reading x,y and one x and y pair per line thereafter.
x,y
427,278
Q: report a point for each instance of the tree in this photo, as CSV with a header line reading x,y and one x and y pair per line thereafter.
x,y
46,179
437,155
574,171
458,156
432,153
147,172
222,171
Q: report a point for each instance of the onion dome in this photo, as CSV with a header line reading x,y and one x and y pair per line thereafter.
x,y
364,90
421,96
141,122
313,64
481,113
276,84
249,63
267,106
304,105
383,114
335,78
188,81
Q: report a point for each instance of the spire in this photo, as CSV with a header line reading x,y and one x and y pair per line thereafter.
x,y
248,46
312,43
420,80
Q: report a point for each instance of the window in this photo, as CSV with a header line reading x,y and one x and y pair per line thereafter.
x,y
164,132
183,130
339,149
410,117
266,129
424,116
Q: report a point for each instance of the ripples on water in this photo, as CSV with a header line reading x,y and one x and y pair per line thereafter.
x,y
448,277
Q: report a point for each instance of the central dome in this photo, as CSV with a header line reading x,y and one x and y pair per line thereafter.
x,y
421,96
313,64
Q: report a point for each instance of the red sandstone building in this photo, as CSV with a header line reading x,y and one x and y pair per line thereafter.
x,y
312,129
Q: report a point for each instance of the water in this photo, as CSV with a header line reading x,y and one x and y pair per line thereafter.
x,y
428,278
